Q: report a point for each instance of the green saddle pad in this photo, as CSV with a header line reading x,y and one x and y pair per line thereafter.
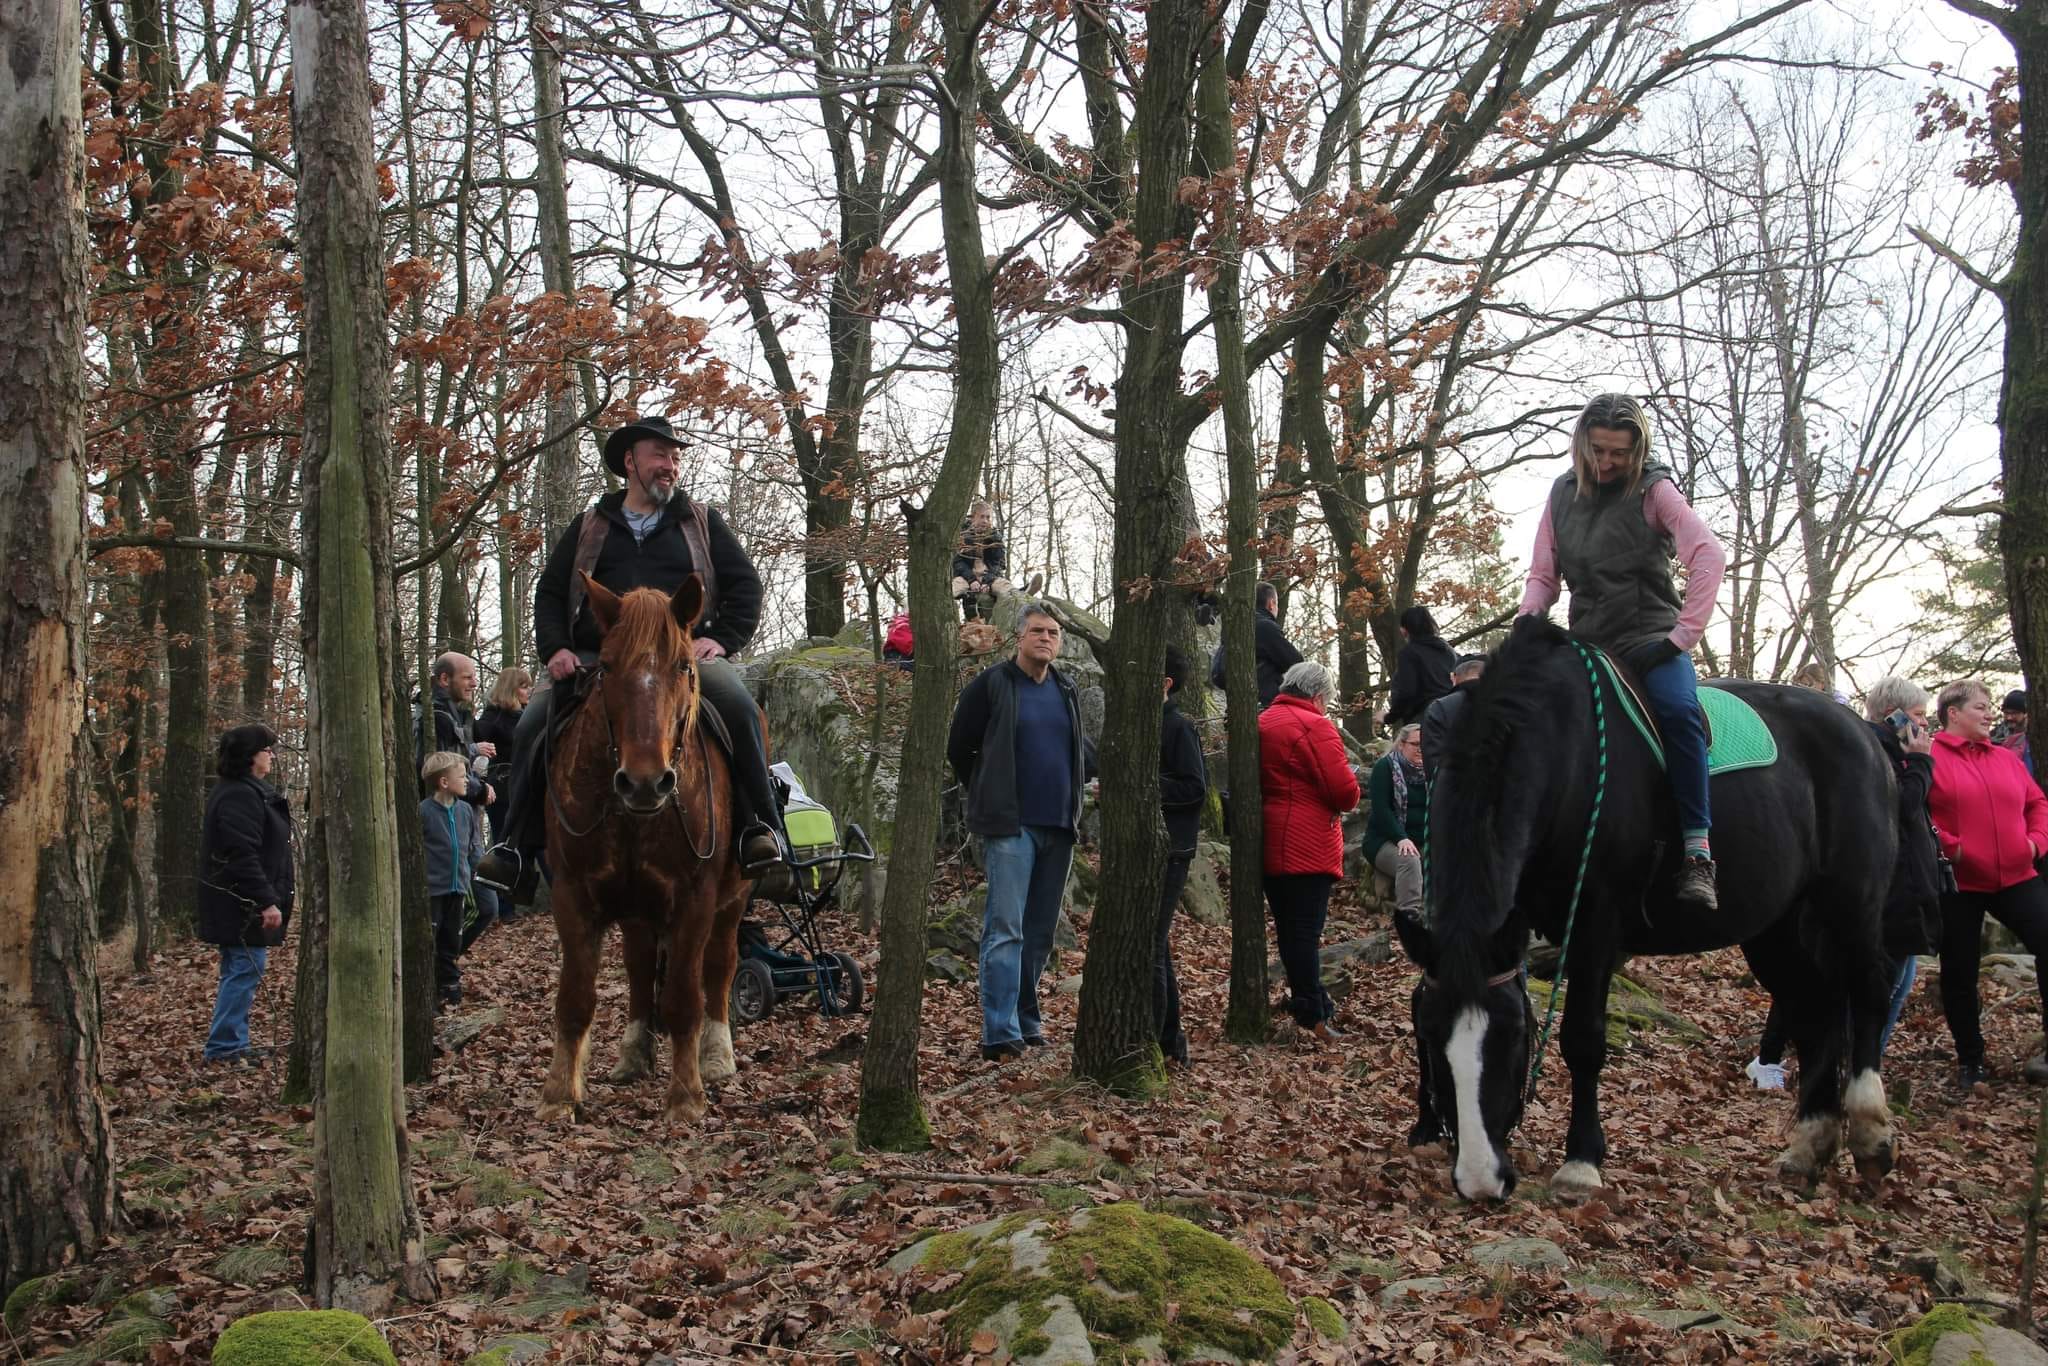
x,y
1737,736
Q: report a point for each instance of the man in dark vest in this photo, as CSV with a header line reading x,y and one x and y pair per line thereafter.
x,y
648,535
1609,531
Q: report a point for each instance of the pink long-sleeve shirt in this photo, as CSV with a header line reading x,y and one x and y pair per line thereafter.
x,y
1666,511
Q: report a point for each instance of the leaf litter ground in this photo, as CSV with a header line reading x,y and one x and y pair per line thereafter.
x,y
762,1234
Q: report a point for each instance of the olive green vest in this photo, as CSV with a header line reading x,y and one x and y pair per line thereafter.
x,y
1617,568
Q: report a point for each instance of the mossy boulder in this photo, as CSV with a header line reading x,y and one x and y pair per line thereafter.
x,y
814,729
510,1350
302,1337
1632,1010
37,1291
1950,1335
1115,1283
1203,900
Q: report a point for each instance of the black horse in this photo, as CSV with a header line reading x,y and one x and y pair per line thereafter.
x,y
1805,848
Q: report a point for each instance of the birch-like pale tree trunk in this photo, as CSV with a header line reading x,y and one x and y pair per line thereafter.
x,y
56,1188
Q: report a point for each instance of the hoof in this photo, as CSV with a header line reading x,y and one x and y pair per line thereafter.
x,y
688,1110
1576,1181
1875,1166
552,1110
628,1071
1814,1142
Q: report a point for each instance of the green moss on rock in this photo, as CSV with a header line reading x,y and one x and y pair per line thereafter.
x,y
1324,1318
302,1337
1120,1266
35,1292
1914,1346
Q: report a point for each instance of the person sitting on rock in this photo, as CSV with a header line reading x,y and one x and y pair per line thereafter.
x,y
980,564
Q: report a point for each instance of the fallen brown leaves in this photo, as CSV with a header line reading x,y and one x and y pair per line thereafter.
x,y
762,1234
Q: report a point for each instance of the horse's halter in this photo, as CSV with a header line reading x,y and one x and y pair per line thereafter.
x,y
1448,1122
593,683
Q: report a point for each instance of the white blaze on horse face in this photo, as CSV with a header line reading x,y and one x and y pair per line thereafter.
x,y
1477,1175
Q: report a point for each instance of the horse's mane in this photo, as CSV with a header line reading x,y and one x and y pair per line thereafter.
x,y
1470,906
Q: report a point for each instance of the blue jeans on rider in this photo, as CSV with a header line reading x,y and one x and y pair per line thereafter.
x,y
1027,877
241,970
1673,691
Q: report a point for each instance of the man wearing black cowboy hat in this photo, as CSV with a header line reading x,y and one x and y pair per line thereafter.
x,y
648,535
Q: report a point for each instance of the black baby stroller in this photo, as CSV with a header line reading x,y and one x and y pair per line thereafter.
x,y
789,960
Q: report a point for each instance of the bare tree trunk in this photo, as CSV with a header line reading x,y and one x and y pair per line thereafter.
x,y
891,1112
558,501
56,1185
1248,1016
1114,1041
367,1240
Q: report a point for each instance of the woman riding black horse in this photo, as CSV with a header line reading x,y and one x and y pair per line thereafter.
x,y
1551,813
1610,528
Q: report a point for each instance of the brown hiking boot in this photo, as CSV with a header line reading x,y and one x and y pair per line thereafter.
x,y
1695,887
759,851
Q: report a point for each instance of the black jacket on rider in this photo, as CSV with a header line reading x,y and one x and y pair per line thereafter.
x,y
661,561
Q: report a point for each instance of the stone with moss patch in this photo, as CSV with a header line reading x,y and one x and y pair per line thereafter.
x,y
509,1351
1116,1269
35,1292
302,1337
1950,1335
1324,1318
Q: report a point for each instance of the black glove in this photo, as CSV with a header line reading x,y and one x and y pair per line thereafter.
x,y
1647,656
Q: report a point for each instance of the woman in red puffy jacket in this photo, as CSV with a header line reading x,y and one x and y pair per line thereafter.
x,y
1306,784
1992,822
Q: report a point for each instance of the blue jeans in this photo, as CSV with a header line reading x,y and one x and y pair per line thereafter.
x,y
1673,690
241,969
1027,876
1901,989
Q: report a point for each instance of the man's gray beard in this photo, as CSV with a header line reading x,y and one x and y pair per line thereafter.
x,y
660,494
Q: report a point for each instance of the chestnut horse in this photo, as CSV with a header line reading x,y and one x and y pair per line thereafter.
x,y
640,832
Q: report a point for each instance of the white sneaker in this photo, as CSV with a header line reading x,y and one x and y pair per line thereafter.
x,y
1768,1076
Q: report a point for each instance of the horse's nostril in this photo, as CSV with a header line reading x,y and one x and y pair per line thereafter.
x,y
621,784
666,783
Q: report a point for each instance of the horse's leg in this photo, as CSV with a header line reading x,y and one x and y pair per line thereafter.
x,y
682,1002
1814,1008
1583,1042
1866,1115
636,1049
715,1058
575,1003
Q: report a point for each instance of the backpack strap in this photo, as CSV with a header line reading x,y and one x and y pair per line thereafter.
x,y
696,529
589,545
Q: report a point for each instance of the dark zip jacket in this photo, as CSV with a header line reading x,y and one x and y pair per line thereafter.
x,y
661,561
1183,778
982,748
1422,674
245,863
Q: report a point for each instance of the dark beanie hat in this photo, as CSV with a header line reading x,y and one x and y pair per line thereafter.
x,y
2016,700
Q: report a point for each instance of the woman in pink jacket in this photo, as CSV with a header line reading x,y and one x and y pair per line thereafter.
x,y
1992,822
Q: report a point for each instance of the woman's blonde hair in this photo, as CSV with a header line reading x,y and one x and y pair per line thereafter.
x,y
1614,411
505,692
438,763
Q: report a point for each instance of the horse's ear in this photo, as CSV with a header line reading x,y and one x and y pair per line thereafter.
x,y
604,604
1417,940
688,603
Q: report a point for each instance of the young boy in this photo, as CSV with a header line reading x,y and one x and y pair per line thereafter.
x,y
449,823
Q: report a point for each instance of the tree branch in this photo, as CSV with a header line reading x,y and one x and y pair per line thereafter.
x,y
1955,258
99,545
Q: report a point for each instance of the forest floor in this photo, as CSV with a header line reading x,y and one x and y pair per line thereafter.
x,y
762,1234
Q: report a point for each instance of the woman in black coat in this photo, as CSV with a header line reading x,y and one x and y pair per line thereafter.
x,y
245,881
1422,671
497,723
